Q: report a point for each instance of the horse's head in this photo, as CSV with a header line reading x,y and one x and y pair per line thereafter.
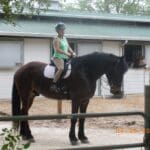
x,y
115,75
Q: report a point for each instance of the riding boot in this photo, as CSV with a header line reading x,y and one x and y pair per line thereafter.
x,y
54,88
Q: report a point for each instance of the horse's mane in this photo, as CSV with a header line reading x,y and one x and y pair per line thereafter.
x,y
96,57
97,60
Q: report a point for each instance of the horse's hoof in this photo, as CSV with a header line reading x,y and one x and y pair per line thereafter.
x,y
85,141
31,140
74,142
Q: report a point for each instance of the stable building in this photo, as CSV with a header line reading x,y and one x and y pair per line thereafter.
x,y
31,40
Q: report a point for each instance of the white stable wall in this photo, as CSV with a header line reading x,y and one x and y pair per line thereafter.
x,y
36,50
31,50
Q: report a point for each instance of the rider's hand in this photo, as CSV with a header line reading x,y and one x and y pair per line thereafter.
x,y
68,54
73,54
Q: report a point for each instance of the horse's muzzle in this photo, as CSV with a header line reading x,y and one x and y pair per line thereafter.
x,y
115,90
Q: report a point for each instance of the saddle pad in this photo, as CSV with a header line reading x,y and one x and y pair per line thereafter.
x,y
49,71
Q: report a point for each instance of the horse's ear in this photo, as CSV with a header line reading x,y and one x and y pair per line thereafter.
x,y
123,63
122,57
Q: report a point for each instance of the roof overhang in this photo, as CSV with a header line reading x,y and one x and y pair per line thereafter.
x,y
73,36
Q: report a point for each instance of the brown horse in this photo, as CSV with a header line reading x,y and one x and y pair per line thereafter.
x,y
29,82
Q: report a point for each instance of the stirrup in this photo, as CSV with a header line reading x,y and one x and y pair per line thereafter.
x,y
54,88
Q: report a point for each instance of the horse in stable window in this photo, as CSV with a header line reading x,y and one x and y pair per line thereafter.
x,y
80,85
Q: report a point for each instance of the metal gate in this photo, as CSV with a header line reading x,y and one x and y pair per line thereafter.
x,y
88,115
146,116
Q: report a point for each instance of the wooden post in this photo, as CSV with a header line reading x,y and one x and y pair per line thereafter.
x,y
59,106
147,120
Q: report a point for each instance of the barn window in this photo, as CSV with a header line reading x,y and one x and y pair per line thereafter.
x,y
10,54
134,55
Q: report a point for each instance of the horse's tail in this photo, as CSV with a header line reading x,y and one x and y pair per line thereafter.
x,y
16,105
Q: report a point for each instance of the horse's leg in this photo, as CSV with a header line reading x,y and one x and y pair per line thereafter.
x,y
25,129
72,136
31,98
81,134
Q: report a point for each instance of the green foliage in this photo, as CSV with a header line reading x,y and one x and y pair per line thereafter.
x,y
85,5
132,7
104,6
146,8
13,8
12,141
82,5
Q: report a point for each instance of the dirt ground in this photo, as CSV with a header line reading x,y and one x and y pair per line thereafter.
x,y
43,106
104,126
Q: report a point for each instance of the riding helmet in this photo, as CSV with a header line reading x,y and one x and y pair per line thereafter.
x,y
59,26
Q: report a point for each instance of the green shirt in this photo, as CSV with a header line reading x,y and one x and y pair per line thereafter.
x,y
64,47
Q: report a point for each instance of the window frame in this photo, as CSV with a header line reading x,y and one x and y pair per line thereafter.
x,y
142,53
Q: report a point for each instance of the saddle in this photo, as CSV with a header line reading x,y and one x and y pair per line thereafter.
x,y
50,70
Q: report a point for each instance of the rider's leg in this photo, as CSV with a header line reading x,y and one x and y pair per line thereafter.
x,y
60,67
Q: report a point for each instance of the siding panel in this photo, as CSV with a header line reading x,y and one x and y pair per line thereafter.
x,y
134,81
147,54
12,53
6,79
112,47
36,50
